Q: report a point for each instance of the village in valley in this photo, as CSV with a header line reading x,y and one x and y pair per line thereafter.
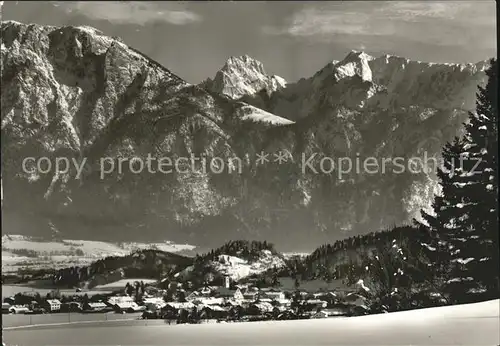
x,y
178,302
175,302
236,282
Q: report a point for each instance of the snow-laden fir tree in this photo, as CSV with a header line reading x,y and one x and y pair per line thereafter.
x,y
476,245
447,216
463,233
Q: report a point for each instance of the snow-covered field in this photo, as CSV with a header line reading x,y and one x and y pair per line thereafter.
x,y
17,320
472,324
52,254
11,290
120,284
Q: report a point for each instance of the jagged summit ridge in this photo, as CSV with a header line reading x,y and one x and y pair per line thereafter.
x,y
354,55
393,75
361,81
380,70
355,63
243,75
78,37
244,62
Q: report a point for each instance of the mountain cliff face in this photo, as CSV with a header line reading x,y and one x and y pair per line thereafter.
x,y
387,107
73,92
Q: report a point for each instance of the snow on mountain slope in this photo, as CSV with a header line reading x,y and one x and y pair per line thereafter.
x,y
76,93
237,268
387,80
390,81
121,284
255,114
355,64
383,107
234,266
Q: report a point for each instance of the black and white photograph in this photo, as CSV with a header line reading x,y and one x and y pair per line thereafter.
x,y
254,173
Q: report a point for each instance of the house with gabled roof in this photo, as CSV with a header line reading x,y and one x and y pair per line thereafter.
x,y
52,305
260,308
209,301
19,309
193,296
223,292
314,303
331,312
179,305
355,299
120,299
213,311
272,293
250,295
329,297
94,306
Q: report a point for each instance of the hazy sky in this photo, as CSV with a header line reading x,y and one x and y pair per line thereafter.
x,y
292,39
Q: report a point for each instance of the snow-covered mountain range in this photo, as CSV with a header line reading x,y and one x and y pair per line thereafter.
x,y
358,82
75,92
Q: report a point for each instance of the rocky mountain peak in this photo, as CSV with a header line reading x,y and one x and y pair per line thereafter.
x,y
357,55
355,63
245,64
243,75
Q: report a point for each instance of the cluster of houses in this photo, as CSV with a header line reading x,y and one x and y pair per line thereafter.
x,y
210,302
222,302
245,302
114,303
48,305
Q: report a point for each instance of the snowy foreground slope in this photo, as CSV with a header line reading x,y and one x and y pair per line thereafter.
x,y
472,324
